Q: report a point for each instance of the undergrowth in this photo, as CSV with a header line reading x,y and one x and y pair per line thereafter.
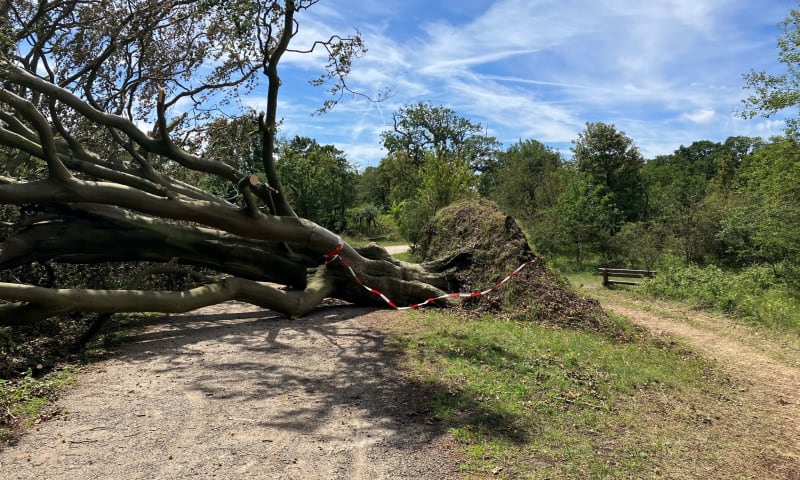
x,y
38,362
755,294
23,401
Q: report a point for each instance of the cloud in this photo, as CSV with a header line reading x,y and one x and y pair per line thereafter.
x,y
703,115
362,155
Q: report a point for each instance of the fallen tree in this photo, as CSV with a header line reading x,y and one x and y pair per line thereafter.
x,y
89,186
83,184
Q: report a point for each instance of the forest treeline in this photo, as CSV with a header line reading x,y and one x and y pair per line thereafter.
x,y
719,220
734,203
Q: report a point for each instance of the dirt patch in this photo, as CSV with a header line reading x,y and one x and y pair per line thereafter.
x,y
230,391
752,430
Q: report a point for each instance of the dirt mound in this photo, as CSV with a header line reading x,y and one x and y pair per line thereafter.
x,y
483,245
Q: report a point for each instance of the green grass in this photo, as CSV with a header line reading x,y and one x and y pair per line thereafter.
x,y
403,257
356,242
529,401
22,401
584,279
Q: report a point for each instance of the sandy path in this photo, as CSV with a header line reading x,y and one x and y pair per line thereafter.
x,y
233,392
766,373
395,249
773,369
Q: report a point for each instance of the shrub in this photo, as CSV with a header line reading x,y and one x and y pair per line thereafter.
x,y
755,294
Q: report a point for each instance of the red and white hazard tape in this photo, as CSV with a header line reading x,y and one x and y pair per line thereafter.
x,y
336,254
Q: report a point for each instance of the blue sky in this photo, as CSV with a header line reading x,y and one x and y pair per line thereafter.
x,y
666,72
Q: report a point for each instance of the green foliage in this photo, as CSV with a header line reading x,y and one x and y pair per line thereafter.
x,y
424,127
755,294
523,182
772,93
640,245
411,216
394,180
766,220
691,191
582,217
22,400
319,181
432,161
236,142
612,161
445,178
366,220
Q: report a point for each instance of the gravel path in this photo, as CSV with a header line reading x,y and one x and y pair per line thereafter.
x,y
233,392
395,249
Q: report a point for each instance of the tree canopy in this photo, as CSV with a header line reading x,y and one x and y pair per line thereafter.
x,y
441,131
772,93
612,161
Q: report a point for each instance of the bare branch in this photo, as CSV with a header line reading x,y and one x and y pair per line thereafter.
x,y
122,124
56,169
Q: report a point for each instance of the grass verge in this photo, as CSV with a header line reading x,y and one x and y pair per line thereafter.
x,y
403,257
527,400
26,396
24,402
754,294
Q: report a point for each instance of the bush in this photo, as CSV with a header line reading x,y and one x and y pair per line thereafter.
x,y
411,217
755,294
640,245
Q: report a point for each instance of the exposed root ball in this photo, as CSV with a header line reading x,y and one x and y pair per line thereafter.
x,y
486,245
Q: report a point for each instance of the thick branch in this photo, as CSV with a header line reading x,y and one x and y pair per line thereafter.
x,y
56,169
268,127
115,236
37,303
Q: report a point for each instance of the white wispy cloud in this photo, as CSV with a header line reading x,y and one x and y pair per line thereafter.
x,y
703,115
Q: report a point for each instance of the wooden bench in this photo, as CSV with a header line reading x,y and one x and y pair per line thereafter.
x,y
624,273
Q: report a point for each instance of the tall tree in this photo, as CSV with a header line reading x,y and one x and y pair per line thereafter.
x,y
688,189
424,127
320,181
89,186
772,93
395,180
444,151
581,218
524,184
765,221
612,161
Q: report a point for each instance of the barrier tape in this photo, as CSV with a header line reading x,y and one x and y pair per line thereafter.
x,y
335,254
